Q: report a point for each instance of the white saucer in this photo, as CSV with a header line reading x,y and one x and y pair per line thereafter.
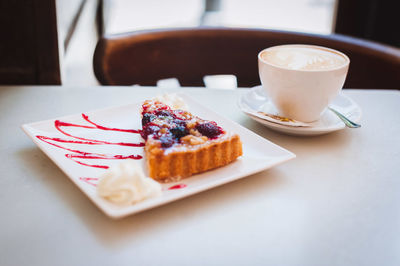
x,y
256,100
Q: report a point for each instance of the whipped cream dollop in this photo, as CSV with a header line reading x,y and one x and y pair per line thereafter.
x,y
126,184
172,100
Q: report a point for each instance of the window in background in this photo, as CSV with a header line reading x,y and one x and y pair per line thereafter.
x,y
120,16
130,15
296,15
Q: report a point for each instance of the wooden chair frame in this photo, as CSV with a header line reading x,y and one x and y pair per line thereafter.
x,y
188,54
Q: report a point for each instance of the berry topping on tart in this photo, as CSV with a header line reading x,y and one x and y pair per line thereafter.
x,y
170,126
179,144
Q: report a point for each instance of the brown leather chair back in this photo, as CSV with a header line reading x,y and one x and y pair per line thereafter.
x,y
144,57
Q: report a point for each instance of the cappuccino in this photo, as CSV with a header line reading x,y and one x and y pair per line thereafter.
x,y
301,80
302,57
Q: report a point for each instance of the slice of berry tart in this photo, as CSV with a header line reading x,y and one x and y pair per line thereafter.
x,y
179,144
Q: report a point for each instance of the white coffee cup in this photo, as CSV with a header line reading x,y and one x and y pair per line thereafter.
x,y
301,80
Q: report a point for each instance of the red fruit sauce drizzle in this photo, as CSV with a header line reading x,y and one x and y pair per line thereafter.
x,y
77,154
58,124
178,186
108,128
89,180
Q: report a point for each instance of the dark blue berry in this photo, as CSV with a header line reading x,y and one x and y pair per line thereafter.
x,y
163,113
166,141
179,131
149,130
180,122
147,118
209,129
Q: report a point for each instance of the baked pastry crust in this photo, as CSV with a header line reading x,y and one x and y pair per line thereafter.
x,y
192,152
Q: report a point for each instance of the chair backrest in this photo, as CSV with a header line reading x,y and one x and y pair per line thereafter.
x,y
144,57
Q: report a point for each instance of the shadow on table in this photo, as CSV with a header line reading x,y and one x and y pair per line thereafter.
x,y
137,227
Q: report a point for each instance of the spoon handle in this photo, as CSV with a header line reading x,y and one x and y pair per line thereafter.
x,y
346,121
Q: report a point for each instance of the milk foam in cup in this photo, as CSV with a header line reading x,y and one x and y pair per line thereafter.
x,y
301,80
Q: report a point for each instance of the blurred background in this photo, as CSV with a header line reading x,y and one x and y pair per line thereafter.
x,y
52,41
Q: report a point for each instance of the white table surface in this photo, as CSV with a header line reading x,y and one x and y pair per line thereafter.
x,y
337,203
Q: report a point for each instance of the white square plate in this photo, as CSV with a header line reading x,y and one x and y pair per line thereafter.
x,y
65,146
